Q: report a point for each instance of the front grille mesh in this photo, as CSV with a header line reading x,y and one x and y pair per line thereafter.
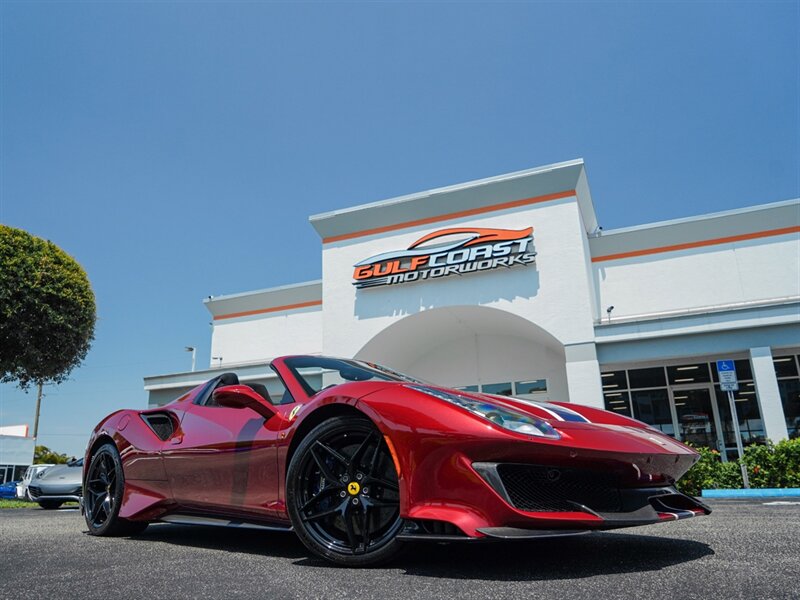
x,y
550,489
35,491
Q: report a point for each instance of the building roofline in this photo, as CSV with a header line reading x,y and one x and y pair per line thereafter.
x,y
306,295
751,224
444,190
269,290
529,186
701,217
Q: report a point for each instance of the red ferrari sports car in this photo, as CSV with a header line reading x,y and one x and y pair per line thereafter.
x,y
375,459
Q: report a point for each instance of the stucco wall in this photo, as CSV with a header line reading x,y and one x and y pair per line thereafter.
x,y
493,359
260,337
555,294
760,269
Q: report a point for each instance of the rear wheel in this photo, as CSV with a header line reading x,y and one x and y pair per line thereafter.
x,y
343,494
102,495
50,504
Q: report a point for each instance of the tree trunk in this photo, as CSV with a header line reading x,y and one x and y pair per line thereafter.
x,y
38,407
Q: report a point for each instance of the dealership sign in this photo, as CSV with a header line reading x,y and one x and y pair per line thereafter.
x,y
454,251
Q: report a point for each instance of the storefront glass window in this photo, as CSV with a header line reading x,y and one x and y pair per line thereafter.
x,y
682,401
785,366
787,370
790,397
683,374
696,417
537,386
518,388
652,407
750,424
743,370
619,402
646,378
614,380
501,389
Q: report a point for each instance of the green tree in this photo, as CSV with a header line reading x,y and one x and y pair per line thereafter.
x,y
47,312
42,455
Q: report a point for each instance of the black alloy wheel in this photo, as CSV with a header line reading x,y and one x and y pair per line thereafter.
x,y
102,495
343,494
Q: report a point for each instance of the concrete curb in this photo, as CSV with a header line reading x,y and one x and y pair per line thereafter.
x,y
752,493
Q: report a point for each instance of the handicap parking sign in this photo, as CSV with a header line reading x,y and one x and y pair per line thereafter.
x,y
728,382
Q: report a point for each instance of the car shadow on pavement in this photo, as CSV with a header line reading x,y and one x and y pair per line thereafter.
x,y
248,541
552,559
547,559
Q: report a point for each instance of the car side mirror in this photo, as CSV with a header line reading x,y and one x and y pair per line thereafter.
x,y
242,396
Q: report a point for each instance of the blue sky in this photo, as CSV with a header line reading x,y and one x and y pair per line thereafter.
x,y
177,149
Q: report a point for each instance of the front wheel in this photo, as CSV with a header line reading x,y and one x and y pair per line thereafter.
x,y
343,494
102,495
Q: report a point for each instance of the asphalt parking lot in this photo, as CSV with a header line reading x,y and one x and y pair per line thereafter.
x,y
743,550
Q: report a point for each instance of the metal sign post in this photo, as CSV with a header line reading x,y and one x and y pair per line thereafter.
x,y
728,382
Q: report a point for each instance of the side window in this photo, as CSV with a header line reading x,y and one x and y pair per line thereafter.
x,y
205,397
278,394
205,394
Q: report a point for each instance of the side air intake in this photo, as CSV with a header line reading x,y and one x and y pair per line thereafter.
x,y
161,423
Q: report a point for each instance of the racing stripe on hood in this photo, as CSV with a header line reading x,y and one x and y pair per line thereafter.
x,y
543,410
562,413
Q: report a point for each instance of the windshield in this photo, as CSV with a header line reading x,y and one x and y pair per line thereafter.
x,y
316,373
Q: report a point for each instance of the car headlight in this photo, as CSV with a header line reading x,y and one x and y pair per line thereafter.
x,y
506,418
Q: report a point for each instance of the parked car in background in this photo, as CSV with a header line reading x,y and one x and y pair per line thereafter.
x,y
30,473
56,485
8,489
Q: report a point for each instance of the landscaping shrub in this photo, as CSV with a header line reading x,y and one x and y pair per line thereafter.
x,y
787,462
768,466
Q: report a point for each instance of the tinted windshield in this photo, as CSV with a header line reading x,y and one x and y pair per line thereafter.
x,y
315,372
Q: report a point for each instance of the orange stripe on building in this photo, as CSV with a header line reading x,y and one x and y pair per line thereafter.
x,y
448,216
261,311
699,244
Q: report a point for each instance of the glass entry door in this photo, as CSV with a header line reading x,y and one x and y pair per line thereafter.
x,y
698,419
685,401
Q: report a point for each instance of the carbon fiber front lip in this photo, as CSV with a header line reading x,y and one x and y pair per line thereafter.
x,y
517,533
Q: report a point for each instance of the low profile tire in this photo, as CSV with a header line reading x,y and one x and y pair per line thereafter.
x,y
50,504
343,495
102,495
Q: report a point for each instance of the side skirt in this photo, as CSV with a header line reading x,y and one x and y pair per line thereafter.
x,y
178,519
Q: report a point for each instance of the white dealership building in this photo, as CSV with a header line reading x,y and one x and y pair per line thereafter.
x,y
508,285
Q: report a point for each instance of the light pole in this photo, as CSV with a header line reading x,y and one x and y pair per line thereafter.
x,y
193,350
